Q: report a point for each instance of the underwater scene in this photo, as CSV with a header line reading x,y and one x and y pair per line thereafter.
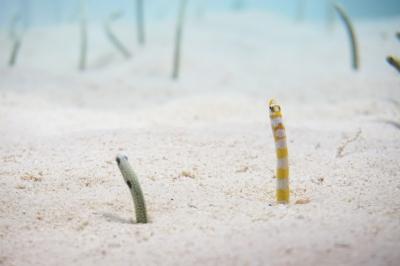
x,y
199,132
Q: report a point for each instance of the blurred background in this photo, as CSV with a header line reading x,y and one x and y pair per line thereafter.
x,y
39,12
219,35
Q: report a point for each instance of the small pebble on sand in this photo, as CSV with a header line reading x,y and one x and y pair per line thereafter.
x,y
303,201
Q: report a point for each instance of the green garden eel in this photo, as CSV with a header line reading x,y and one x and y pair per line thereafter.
x,y
84,33
112,37
394,62
16,36
133,183
282,168
352,35
141,36
178,39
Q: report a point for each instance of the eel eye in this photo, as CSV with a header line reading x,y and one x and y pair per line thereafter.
x,y
275,108
118,160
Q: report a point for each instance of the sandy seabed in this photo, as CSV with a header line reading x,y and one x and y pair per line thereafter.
x,y
202,146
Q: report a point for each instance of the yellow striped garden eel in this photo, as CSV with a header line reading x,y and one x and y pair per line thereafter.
x,y
132,181
282,168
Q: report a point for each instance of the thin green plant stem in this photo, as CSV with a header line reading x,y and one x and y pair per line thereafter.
x,y
351,33
178,39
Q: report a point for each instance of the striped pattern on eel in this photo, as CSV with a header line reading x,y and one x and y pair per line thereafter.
x,y
282,168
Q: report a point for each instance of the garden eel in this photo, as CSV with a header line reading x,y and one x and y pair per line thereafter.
x,y
178,39
394,62
112,37
141,36
133,183
16,37
352,35
282,168
84,33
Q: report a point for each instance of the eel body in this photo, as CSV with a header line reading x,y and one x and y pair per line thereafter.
x,y
112,37
394,62
132,181
352,35
84,35
178,39
282,168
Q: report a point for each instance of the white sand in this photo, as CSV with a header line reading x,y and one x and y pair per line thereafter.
x,y
62,198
